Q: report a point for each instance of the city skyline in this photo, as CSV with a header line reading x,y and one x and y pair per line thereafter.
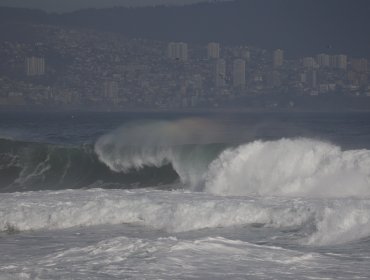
x,y
111,71
113,60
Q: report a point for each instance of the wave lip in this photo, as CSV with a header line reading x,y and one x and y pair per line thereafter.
x,y
183,144
290,167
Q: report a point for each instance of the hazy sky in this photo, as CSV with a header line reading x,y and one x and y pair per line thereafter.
x,y
70,5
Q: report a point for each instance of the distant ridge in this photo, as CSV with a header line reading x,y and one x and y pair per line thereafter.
x,y
301,27
73,5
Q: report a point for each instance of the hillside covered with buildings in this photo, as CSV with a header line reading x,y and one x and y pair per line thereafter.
x,y
68,67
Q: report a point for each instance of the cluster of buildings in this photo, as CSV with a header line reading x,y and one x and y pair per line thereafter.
x,y
90,69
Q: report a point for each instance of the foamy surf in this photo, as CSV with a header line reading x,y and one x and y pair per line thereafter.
x,y
290,167
319,222
161,200
171,258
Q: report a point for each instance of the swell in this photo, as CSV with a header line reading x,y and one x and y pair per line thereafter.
x,y
27,166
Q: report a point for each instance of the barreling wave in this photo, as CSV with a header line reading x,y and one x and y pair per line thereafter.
x,y
26,166
285,167
158,154
158,143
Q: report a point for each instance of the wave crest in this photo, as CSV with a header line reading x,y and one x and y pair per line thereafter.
x,y
155,144
290,167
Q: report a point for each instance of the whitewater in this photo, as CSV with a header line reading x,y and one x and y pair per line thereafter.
x,y
243,197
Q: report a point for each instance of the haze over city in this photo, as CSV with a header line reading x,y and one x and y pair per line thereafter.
x,y
252,55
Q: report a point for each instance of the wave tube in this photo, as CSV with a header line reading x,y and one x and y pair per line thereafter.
x,y
184,144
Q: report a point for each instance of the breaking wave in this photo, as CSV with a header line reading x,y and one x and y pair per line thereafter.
x,y
159,143
315,221
26,166
290,167
285,167
162,153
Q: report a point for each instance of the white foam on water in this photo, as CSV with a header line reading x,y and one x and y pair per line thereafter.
x,y
171,211
290,167
333,221
341,223
170,258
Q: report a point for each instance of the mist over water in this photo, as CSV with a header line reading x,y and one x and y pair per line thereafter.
x,y
185,144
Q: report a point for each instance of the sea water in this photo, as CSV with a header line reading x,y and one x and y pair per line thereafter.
x,y
171,196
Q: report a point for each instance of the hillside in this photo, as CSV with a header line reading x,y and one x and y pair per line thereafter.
x,y
301,27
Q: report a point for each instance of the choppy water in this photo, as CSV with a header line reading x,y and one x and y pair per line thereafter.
x,y
132,196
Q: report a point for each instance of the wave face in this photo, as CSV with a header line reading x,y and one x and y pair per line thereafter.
x,y
286,167
26,166
155,144
300,167
158,154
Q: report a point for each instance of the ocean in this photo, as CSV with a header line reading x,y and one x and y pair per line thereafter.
x,y
184,196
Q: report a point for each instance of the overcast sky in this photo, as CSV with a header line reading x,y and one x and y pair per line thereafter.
x,y
70,5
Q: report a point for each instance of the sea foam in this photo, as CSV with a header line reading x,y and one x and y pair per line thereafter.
x,y
320,221
290,167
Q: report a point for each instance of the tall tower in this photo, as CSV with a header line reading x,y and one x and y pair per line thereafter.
x,y
220,73
278,58
239,73
213,50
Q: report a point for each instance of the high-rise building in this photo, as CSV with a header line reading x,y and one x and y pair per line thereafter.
x,y
323,60
220,73
342,61
339,61
239,73
35,66
359,65
213,50
178,51
309,62
278,58
312,78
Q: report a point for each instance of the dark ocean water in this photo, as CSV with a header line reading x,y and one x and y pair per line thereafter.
x,y
179,196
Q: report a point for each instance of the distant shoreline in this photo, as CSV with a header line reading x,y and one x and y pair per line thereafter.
x,y
43,109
